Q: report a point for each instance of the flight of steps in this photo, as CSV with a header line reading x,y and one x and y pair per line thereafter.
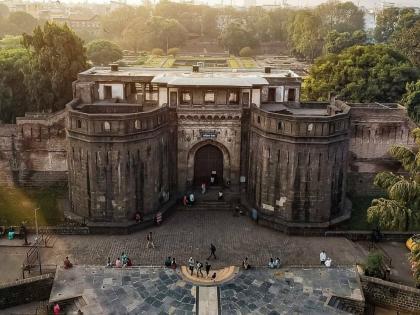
x,y
341,305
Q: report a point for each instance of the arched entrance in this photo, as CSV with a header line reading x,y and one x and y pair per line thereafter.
x,y
208,161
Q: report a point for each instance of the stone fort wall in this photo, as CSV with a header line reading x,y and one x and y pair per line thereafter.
x,y
33,151
297,168
374,129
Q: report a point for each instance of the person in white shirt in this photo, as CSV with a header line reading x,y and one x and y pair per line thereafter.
x,y
328,262
192,198
322,257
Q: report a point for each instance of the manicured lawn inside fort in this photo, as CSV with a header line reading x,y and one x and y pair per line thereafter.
x,y
18,204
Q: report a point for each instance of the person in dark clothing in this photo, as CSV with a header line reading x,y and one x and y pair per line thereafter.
x,y
212,251
207,266
168,261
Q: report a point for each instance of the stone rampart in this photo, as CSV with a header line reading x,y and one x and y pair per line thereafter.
x,y
25,291
388,294
33,151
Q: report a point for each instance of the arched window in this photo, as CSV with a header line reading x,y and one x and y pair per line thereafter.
x,y
107,126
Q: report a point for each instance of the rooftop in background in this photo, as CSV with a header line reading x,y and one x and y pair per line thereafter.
x,y
165,74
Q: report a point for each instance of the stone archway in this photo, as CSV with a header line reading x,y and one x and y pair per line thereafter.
x,y
215,147
208,160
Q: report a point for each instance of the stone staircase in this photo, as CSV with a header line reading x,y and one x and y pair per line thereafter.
x,y
343,305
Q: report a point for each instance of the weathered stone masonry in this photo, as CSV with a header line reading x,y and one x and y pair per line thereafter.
x,y
129,141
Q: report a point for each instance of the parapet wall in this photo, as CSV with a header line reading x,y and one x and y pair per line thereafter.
x,y
33,151
374,129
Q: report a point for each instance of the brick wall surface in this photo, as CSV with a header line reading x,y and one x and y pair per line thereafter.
x,y
26,291
384,293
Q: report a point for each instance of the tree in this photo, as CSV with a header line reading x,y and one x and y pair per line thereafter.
x,y
246,52
360,74
335,42
57,56
21,22
401,209
173,51
305,35
165,33
340,16
393,19
133,36
415,264
411,100
103,52
14,98
407,41
235,35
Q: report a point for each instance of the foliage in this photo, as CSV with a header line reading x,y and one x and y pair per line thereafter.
x,y
407,41
236,35
393,19
401,209
415,263
335,42
9,41
173,51
21,22
157,52
360,74
103,52
14,99
57,56
411,100
340,16
306,35
164,33
246,52
373,266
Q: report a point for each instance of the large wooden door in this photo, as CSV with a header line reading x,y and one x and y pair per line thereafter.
x,y
208,160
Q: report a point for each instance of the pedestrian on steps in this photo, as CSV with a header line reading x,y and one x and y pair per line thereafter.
x,y
150,240
191,265
199,267
207,266
212,251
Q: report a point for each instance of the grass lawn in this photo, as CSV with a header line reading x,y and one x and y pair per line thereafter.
x,y
248,62
18,204
155,61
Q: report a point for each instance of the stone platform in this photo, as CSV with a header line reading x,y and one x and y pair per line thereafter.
x,y
154,290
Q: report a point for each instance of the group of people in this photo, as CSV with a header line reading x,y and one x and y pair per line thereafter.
x,y
274,263
123,261
170,262
188,199
324,260
198,266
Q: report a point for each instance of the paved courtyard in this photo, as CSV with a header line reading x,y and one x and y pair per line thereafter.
x,y
189,233
152,290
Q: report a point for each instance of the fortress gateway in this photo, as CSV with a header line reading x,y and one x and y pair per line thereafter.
x,y
137,139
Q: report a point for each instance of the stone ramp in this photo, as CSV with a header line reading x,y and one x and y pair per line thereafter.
x,y
208,301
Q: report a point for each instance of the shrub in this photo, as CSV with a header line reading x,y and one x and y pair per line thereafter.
x,y
246,52
173,51
157,51
373,266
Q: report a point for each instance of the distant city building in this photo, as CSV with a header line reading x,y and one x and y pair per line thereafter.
x,y
79,23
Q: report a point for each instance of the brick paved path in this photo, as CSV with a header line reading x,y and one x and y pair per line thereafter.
x,y
189,233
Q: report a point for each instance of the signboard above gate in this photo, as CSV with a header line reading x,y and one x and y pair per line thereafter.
x,y
208,134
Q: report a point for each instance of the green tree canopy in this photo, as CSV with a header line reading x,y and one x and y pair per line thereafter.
x,y
164,33
335,42
235,36
14,100
393,19
407,41
103,52
21,22
411,100
340,16
401,209
57,56
360,74
306,35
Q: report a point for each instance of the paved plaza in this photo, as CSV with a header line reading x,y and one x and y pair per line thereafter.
x,y
151,290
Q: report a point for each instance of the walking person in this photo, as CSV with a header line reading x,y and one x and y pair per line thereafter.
x,y
199,267
191,265
150,240
212,251
203,188
322,257
185,201
207,266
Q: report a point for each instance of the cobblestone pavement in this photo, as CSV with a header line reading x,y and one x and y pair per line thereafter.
x,y
189,233
288,291
124,291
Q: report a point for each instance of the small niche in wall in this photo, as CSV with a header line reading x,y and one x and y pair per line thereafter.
x,y
137,124
107,126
